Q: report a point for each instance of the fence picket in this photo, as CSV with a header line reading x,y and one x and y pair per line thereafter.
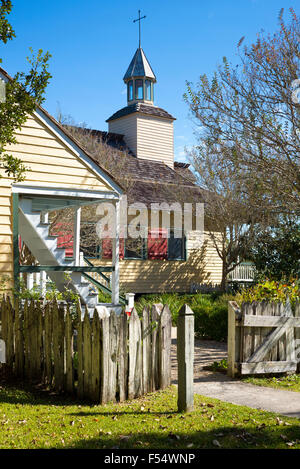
x,y
96,363
104,335
69,382
19,343
58,346
122,357
113,356
80,376
135,356
48,370
87,352
155,314
165,327
26,340
146,337
10,346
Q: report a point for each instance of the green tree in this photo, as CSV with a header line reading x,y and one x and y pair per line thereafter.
x,y
19,96
276,250
249,113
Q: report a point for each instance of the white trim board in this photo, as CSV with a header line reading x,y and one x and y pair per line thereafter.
x,y
63,192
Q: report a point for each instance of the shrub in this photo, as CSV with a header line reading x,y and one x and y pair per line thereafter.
x,y
271,290
210,310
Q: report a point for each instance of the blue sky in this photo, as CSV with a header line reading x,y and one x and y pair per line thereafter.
x,y
92,43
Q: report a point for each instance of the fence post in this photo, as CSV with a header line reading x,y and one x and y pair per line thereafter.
x,y
233,339
185,358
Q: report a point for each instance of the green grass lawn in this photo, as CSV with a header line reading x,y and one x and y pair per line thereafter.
x,y
35,419
289,383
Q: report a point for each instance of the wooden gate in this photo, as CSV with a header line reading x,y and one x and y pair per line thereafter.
x,y
263,337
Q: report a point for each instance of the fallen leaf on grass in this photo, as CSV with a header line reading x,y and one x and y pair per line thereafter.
x,y
217,443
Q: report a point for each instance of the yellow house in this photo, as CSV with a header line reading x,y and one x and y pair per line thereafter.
x,y
60,174
144,136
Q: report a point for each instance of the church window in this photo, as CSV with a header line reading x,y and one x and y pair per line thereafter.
x,y
130,90
139,89
148,90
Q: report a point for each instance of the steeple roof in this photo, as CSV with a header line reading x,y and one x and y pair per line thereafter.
x,y
139,67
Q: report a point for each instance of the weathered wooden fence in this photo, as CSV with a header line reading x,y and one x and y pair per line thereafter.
x,y
104,358
263,337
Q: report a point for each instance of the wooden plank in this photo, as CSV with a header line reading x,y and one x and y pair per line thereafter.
x,y
247,342
10,346
135,356
233,333
268,367
87,355
113,356
58,346
155,314
104,354
96,363
297,335
19,344
146,338
290,339
69,381
3,320
269,321
274,350
165,327
48,369
80,353
31,341
39,340
281,341
123,356
34,334
26,339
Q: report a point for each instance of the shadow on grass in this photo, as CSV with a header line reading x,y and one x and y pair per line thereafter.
x,y
223,437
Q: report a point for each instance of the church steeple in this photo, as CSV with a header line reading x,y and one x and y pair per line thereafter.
x,y
140,79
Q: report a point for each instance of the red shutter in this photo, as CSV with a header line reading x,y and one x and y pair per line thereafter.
x,y
158,244
107,248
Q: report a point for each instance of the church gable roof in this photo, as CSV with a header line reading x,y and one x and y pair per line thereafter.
x,y
139,67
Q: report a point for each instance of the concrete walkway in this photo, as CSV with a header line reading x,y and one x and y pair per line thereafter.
x,y
220,386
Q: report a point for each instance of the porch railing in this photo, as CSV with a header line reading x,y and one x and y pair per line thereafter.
x,y
243,272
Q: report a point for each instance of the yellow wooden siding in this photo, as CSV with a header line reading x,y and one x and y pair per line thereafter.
x,y
126,126
155,139
50,163
151,276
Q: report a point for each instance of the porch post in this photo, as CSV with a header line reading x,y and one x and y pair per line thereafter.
x,y
115,257
16,252
76,242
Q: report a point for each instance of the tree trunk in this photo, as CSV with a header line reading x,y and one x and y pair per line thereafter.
x,y
224,277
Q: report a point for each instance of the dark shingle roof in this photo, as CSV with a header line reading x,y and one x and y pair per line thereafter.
x,y
151,181
139,67
143,109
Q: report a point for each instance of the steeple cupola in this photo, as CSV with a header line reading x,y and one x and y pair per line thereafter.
x,y
140,80
147,129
